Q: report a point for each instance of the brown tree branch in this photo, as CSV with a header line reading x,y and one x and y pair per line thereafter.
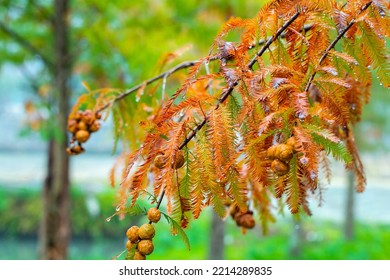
x,y
273,38
333,44
230,89
43,11
187,64
26,44
147,82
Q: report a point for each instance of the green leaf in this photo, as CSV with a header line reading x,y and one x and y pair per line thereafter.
x,y
134,210
323,132
176,229
338,150
376,50
292,187
130,254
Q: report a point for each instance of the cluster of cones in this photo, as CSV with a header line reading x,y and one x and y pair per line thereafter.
x,y
281,155
81,126
140,243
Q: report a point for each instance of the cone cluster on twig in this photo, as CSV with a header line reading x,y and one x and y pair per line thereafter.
x,y
160,160
81,126
140,243
243,219
281,155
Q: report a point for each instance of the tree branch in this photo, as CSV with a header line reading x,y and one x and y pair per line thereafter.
x,y
273,38
25,44
147,82
43,11
187,64
333,44
229,90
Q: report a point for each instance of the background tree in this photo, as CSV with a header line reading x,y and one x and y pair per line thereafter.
x,y
260,121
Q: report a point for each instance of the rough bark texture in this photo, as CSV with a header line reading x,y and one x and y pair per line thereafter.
x,y
349,229
217,235
56,225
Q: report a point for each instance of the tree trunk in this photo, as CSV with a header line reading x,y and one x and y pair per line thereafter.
x,y
217,234
297,240
55,230
349,229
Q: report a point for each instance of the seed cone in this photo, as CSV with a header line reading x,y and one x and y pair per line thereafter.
x,y
271,152
82,126
154,215
145,247
246,220
77,149
179,162
146,231
284,152
82,136
72,126
279,167
130,245
138,256
292,142
159,161
95,126
132,234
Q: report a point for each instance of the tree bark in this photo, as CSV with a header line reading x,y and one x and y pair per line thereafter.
x,y
349,222
217,234
55,230
297,240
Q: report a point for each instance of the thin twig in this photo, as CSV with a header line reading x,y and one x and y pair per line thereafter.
x,y
261,42
26,44
230,89
273,38
333,44
187,64
160,199
43,11
147,82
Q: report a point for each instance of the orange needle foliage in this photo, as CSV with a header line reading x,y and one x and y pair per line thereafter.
x,y
259,121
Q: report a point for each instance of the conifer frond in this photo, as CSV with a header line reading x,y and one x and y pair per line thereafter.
x,y
325,164
261,118
375,48
176,229
293,192
338,150
301,104
333,80
263,202
237,189
308,151
356,163
348,58
321,131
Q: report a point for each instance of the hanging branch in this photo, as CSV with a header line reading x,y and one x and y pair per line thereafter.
x,y
333,44
26,44
188,64
229,90
147,82
273,38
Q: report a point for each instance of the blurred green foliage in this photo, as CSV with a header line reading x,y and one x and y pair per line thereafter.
x,y
21,210
95,238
